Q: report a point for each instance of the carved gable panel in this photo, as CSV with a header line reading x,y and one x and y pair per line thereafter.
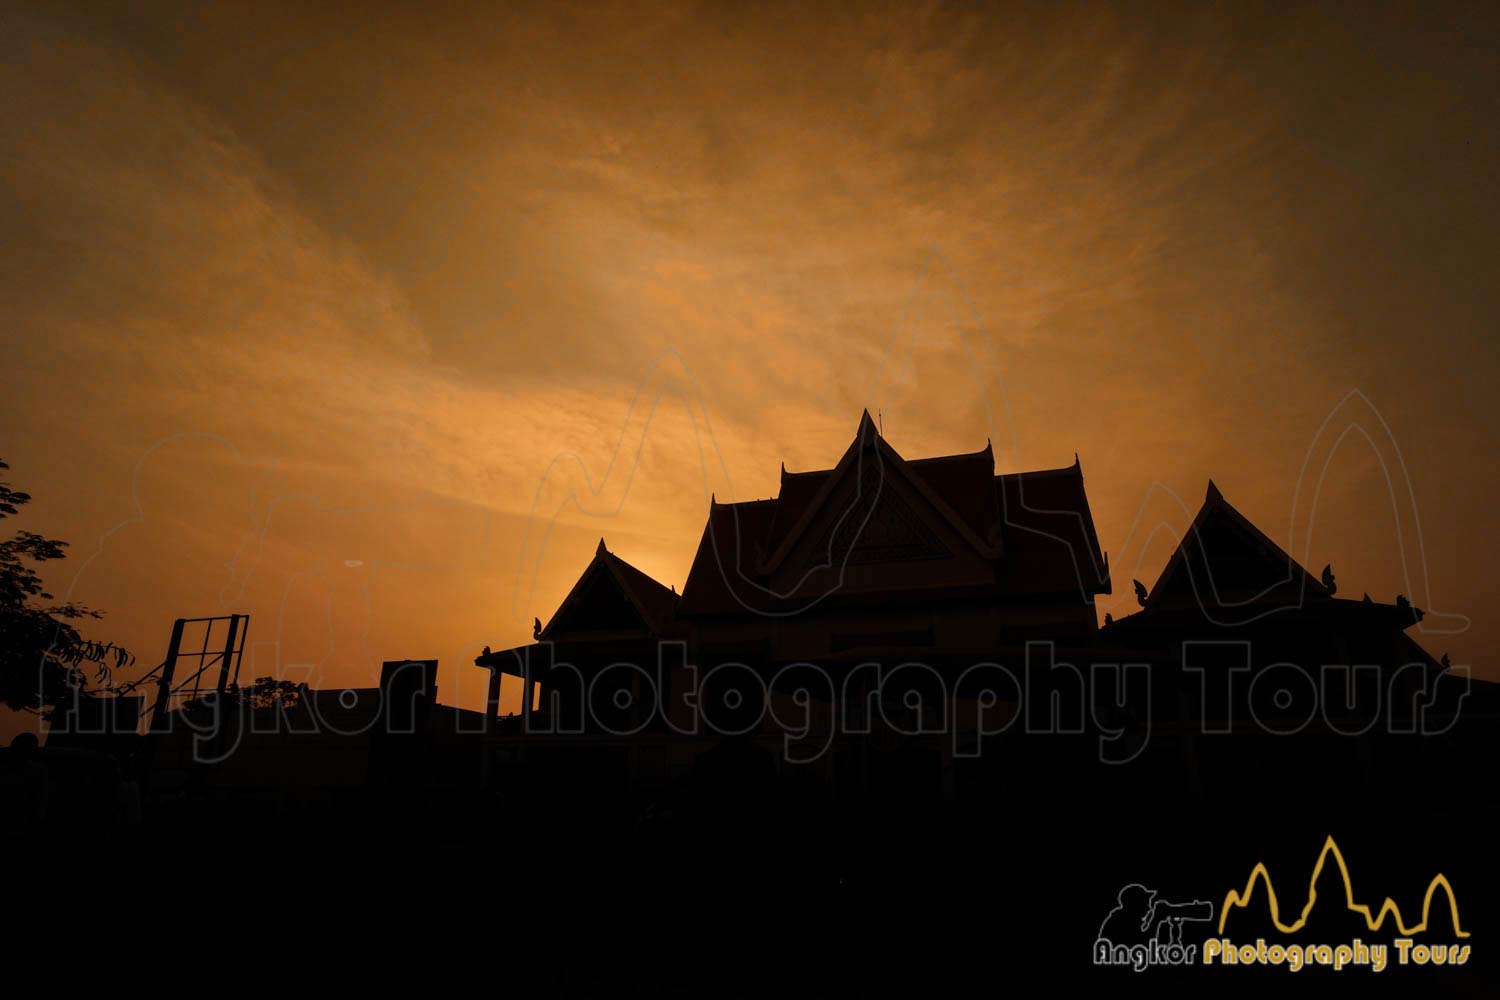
x,y
877,524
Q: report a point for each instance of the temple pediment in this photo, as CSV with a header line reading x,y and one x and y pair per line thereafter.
x,y
612,598
1224,560
878,522
872,503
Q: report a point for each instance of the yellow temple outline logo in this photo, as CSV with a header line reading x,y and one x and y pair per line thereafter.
x,y
1241,899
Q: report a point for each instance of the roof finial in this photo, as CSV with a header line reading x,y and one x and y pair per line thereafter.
x,y
601,550
880,418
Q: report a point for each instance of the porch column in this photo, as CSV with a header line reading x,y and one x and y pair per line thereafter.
x,y
492,700
528,695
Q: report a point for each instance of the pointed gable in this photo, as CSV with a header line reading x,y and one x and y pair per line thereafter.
x,y
876,524
961,481
612,597
871,479
1224,560
875,507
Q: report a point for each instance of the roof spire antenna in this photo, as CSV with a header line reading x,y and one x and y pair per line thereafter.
x,y
880,418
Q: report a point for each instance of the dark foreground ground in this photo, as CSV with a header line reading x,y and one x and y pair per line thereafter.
x,y
767,890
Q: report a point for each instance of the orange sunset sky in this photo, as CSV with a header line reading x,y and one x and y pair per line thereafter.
x,y
369,321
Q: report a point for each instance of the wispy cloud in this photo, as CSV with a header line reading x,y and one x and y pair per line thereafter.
x,y
385,278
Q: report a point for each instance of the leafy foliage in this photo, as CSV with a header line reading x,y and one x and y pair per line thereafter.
x,y
271,692
44,661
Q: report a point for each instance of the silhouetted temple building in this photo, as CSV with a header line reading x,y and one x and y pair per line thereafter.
x,y
880,552
878,559
1231,599
1244,642
943,565
875,555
